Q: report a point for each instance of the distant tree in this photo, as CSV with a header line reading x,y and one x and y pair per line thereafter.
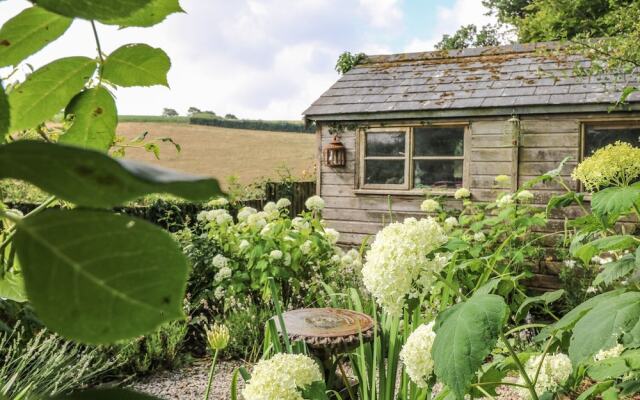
x,y
346,61
468,36
169,112
193,110
209,113
230,116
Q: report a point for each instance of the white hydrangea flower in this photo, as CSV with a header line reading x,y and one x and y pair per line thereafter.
x,y
416,354
479,237
218,203
314,203
504,200
223,273
219,293
335,258
555,370
398,258
244,244
267,229
305,247
332,235
299,223
276,255
524,196
462,193
613,352
224,218
244,213
502,180
270,207
569,263
282,377
450,223
257,220
283,203
429,206
219,261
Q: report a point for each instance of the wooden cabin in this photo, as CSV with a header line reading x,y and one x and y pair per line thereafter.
x,y
430,123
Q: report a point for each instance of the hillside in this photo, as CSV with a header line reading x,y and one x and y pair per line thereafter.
x,y
222,152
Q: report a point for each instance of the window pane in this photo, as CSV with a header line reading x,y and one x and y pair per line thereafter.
x,y
438,173
597,137
438,141
386,172
385,144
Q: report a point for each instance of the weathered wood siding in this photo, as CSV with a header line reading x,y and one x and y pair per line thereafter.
x,y
545,142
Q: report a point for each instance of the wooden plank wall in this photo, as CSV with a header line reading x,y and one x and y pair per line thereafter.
x,y
545,142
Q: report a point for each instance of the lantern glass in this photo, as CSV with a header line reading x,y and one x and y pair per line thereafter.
x,y
335,154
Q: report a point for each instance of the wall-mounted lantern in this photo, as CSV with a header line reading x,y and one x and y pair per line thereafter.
x,y
335,154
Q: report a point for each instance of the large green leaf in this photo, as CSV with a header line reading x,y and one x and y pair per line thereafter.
x,y
137,65
92,178
28,32
12,287
615,270
465,334
615,200
152,14
95,118
4,114
603,326
545,298
48,90
98,277
105,394
598,246
93,9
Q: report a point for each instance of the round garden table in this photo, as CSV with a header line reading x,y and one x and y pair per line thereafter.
x,y
328,333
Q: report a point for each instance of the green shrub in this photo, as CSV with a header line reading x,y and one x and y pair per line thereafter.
x,y
47,365
251,124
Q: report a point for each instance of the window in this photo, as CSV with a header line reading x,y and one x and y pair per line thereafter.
x,y
599,135
413,158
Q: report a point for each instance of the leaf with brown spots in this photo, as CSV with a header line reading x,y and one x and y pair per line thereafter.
x,y
95,118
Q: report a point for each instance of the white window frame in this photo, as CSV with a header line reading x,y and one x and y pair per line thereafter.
x,y
408,186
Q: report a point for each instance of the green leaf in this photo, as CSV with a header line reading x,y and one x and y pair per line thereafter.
x,y
610,394
153,13
4,114
595,390
105,394
95,118
137,65
545,298
465,334
610,368
92,178
598,246
48,90
12,287
561,201
615,270
29,32
604,325
615,200
316,391
93,9
98,277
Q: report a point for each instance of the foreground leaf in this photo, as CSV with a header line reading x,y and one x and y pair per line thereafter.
x,y
93,9
98,277
48,90
545,298
95,118
12,287
615,200
610,243
92,178
4,114
105,394
152,14
137,65
602,327
465,334
615,270
28,32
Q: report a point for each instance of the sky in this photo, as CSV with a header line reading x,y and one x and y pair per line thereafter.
x,y
262,59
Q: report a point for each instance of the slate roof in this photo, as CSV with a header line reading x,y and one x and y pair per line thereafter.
x,y
522,76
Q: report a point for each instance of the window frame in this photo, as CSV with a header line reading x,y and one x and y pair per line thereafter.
x,y
408,187
615,123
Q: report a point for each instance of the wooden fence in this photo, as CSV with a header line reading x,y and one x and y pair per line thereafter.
x,y
296,192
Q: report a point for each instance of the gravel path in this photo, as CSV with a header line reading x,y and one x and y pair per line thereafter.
x,y
189,383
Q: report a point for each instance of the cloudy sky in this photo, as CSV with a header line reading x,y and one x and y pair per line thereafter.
x,y
264,59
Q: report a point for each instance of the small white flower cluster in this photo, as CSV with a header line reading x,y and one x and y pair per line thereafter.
x,y
222,274
524,196
462,193
219,261
430,206
504,200
218,203
218,216
300,224
283,203
479,237
398,259
281,377
244,213
332,235
450,223
314,203
416,354
555,370
613,352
